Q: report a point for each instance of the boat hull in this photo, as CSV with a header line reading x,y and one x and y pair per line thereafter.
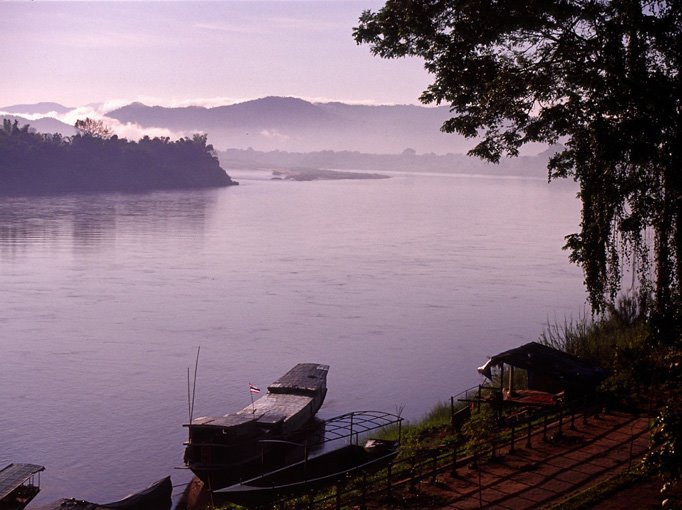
x,y
326,469
155,497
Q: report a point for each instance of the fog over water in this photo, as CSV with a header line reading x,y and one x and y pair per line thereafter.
x,y
403,286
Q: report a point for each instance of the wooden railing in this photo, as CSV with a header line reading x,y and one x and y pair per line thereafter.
x,y
407,471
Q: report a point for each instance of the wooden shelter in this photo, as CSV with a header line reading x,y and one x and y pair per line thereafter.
x,y
552,375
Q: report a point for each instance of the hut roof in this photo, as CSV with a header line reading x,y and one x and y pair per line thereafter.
x,y
545,360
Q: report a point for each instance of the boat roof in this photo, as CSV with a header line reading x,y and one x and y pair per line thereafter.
x,y
14,475
267,411
229,420
303,378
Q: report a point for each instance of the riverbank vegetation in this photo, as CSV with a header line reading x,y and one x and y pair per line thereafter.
x,y
96,160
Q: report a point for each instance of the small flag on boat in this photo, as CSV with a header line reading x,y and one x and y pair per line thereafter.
x,y
253,388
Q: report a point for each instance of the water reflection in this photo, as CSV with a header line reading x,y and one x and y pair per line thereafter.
x,y
91,222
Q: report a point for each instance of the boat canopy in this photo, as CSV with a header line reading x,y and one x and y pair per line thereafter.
x,y
14,475
353,425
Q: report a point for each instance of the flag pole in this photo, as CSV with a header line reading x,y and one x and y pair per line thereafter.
x,y
253,389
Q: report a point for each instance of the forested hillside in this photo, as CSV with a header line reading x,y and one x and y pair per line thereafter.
x,y
94,160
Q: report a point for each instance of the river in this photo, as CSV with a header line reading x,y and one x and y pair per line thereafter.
x,y
402,285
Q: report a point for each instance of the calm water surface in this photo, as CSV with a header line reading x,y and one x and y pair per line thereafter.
x,y
403,286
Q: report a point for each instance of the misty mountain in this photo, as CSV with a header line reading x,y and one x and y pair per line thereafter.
x,y
43,125
36,108
266,113
291,124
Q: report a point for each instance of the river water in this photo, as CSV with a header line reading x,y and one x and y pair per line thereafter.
x,y
403,286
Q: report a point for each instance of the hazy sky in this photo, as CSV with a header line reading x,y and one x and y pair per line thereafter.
x,y
207,53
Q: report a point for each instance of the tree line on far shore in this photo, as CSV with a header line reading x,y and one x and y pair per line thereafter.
x,y
96,160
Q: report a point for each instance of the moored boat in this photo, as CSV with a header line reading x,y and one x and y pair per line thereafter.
x,y
221,450
19,484
155,497
325,469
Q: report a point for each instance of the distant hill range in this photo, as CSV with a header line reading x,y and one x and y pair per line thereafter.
x,y
291,124
43,125
37,108
286,124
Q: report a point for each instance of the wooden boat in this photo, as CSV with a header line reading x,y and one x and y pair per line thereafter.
x,y
155,497
325,469
18,485
224,449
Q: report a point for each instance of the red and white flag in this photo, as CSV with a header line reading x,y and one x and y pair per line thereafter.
x,y
253,388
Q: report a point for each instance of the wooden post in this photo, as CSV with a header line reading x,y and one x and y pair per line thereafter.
x,y
528,444
544,428
338,496
452,414
453,471
363,502
434,469
351,427
511,379
388,481
584,410
511,439
480,488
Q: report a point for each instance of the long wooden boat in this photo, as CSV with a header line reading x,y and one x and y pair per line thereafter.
x,y
19,485
222,450
155,497
325,469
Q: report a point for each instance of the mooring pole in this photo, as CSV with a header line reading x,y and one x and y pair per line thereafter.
x,y
528,444
511,439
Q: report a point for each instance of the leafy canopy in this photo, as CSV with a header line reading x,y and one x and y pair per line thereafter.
x,y
602,77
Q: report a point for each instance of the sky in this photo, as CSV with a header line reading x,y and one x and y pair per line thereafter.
x,y
203,53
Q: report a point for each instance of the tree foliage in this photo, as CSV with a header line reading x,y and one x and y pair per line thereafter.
x,y
600,76
95,160
93,127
